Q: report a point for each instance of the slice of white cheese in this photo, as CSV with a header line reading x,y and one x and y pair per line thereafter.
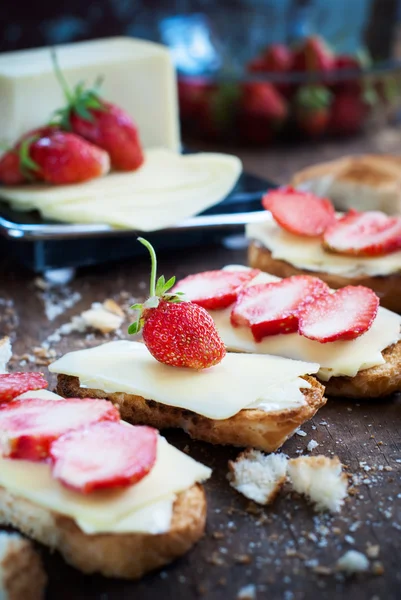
x,y
308,253
167,189
335,358
172,473
137,75
220,392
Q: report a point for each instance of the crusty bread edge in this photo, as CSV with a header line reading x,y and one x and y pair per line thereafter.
x,y
256,428
127,556
386,287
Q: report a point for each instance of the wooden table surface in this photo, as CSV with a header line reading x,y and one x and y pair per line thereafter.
x,y
287,551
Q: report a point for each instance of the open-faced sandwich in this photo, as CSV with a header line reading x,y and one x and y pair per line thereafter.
x,y
366,182
182,377
112,498
302,234
355,341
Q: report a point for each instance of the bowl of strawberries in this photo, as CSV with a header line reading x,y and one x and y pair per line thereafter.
x,y
236,88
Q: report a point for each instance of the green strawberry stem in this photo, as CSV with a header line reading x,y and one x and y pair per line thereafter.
x,y
26,164
153,259
60,77
158,290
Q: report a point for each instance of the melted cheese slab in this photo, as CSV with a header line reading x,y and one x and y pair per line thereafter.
x,y
335,358
220,392
127,510
308,253
168,188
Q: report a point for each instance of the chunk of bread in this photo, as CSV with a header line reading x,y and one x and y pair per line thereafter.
x,y
386,287
367,182
129,555
5,353
320,479
252,427
22,576
258,476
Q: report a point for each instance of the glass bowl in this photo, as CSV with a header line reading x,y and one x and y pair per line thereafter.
x,y
285,69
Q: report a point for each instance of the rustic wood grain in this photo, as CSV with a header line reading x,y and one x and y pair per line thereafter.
x,y
277,549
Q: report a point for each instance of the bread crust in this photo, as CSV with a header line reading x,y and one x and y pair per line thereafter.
x,y
371,383
386,287
127,556
252,427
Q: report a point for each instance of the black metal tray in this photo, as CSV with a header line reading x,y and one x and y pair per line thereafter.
x,y
42,245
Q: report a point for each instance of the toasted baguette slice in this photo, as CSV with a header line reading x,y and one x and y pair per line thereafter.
x,y
367,182
252,427
129,555
386,287
22,576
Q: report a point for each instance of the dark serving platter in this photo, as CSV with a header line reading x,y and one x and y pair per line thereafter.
x,y
42,245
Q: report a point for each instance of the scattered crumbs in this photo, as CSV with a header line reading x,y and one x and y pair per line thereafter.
x,y
248,592
353,562
57,300
218,535
349,539
182,578
323,423
231,525
322,570
372,550
243,559
349,409
313,427
377,568
288,595
215,559
354,526
312,445
312,562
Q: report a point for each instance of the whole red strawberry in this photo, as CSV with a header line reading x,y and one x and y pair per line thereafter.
x,y
102,123
63,158
11,170
176,332
349,111
313,55
262,111
312,109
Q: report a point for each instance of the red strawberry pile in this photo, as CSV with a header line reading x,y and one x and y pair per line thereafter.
x,y
302,304
329,96
366,234
86,445
86,138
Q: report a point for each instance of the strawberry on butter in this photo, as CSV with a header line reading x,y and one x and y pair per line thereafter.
x,y
301,213
364,234
176,333
341,316
103,456
215,290
273,308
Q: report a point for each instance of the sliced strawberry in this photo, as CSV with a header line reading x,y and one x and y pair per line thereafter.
x,y
28,427
364,234
14,384
104,456
215,289
344,315
273,308
298,212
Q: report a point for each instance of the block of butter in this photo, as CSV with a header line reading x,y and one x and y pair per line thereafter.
x,y
137,75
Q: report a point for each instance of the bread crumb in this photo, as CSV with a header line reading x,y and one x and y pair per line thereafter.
x,y
5,353
312,445
258,476
373,551
377,568
21,572
353,562
106,317
248,592
321,479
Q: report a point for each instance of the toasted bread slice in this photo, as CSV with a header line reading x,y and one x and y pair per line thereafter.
x,y
367,182
252,427
386,287
129,555
22,576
